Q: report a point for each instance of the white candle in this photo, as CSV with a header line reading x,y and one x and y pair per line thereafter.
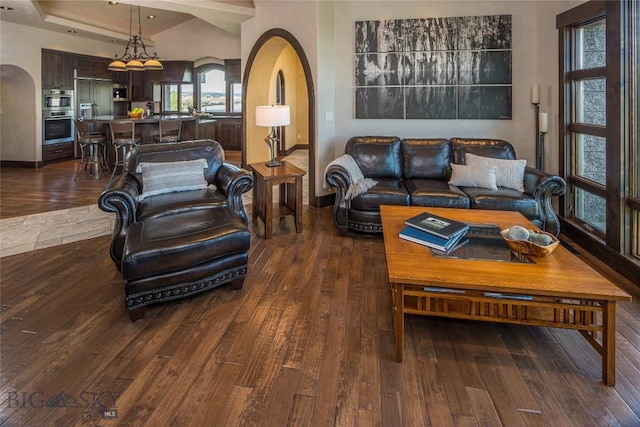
x,y
535,94
542,122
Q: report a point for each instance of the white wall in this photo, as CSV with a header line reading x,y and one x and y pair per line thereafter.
x,y
534,62
331,57
21,46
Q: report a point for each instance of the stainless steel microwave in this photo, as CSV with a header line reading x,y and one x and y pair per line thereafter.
x,y
58,100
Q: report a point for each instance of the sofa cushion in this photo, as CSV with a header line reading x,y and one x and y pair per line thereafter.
x,y
473,176
503,199
377,157
426,158
436,193
496,148
509,173
385,192
168,177
182,201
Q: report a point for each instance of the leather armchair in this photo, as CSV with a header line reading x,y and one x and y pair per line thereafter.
x,y
121,194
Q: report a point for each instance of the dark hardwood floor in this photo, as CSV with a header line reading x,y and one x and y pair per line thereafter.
x,y
308,341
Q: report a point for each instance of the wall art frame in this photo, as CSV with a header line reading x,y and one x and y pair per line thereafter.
x,y
434,68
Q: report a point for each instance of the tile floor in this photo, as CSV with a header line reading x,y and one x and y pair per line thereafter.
x,y
43,230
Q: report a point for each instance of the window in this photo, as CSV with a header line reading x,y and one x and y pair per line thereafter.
x,y
216,94
212,91
599,137
586,132
236,96
176,98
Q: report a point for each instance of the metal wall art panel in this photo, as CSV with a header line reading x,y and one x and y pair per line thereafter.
x,y
434,68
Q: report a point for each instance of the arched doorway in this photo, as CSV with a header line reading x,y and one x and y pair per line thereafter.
x,y
278,51
18,122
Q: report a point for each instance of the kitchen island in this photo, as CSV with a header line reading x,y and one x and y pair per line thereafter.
x,y
147,128
224,128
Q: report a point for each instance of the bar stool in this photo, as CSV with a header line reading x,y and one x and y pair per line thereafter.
x,y
169,130
123,138
92,149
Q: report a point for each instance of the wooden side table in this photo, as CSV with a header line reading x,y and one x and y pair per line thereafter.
x,y
289,177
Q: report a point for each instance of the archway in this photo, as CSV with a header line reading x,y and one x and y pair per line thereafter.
x,y
278,51
18,122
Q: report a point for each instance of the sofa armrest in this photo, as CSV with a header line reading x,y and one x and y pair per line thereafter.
x,y
542,186
233,182
338,178
120,197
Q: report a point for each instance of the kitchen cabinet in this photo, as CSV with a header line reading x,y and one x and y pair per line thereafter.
x,y
141,88
206,129
57,69
93,66
60,151
230,133
99,93
232,70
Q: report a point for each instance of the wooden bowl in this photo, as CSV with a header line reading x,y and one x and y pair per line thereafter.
x,y
135,115
530,248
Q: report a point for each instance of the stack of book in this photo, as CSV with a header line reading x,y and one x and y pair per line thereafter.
x,y
434,231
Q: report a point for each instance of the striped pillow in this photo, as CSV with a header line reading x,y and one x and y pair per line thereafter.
x,y
168,177
509,173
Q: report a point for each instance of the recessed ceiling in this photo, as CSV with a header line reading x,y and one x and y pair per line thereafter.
x,y
99,20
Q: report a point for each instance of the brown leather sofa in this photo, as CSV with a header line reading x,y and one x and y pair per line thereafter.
x,y
417,172
168,246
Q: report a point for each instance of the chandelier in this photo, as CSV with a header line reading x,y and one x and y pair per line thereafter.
x,y
139,60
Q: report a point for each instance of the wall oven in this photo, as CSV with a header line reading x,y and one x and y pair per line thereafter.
x,y
58,127
57,100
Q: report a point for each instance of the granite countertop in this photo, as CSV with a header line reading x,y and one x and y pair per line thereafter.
x,y
152,119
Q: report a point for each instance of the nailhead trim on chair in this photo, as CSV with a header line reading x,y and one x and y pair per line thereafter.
x,y
365,227
168,293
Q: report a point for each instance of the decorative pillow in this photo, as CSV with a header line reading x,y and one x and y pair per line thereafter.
x,y
167,177
473,176
509,173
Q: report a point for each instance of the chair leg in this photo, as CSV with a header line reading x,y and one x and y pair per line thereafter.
x,y
82,162
236,284
137,313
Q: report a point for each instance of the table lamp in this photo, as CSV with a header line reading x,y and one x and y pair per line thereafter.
x,y
272,116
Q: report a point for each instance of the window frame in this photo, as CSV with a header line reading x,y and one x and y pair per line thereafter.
x,y
618,245
228,88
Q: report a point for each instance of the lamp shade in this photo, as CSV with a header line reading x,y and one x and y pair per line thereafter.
x,y
117,65
153,64
272,115
134,65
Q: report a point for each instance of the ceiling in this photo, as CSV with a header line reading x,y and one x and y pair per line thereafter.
x,y
99,20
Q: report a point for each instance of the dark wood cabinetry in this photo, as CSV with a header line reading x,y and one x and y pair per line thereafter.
x,y
141,87
232,70
206,129
57,69
99,92
93,67
57,151
230,133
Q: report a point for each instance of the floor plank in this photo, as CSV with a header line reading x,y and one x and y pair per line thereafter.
x,y
308,341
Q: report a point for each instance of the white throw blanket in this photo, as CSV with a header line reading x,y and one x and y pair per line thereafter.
x,y
359,184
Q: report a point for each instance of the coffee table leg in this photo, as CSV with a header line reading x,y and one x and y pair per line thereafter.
x,y
398,307
609,344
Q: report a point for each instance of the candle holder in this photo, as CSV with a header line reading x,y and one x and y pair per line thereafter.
x,y
540,151
536,107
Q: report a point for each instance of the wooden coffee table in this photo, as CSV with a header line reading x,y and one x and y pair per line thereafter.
x,y
557,291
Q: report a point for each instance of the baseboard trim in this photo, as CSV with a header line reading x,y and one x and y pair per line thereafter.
x,y
292,149
21,164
